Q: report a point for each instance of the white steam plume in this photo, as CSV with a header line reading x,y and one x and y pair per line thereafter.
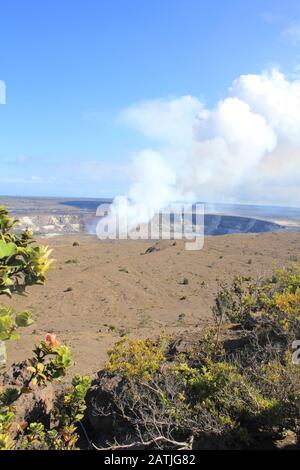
x,y
246,149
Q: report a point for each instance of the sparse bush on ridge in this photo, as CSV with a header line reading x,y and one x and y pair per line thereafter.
x,y
223,392
185,404
136,358
271,305
233,387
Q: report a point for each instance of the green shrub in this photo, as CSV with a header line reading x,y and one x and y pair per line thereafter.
x,y
136,358
68,412
23,264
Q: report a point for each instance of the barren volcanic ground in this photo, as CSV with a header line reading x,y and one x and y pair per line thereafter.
x,y
99,291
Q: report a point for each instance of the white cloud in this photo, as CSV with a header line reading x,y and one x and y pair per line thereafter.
x,y
292,33
2,92
276,98
19,161
27,180
269,17
99,171
167,120
246,148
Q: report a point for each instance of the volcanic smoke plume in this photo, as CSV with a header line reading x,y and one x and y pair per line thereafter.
x,y
245,149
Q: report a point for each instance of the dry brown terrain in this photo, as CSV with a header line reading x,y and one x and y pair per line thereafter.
x,y
100,291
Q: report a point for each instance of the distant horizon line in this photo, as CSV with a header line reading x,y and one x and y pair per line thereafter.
x,y
110,199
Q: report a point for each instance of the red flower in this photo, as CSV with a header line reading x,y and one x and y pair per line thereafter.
x,y
51,341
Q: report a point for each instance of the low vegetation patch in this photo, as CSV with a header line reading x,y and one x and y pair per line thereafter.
x,y
236,387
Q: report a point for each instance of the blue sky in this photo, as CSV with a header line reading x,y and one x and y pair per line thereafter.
x,y
71,67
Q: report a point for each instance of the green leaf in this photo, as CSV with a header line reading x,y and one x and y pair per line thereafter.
x,y
23,319
6,323
7,249
9,396
6,292
14,336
